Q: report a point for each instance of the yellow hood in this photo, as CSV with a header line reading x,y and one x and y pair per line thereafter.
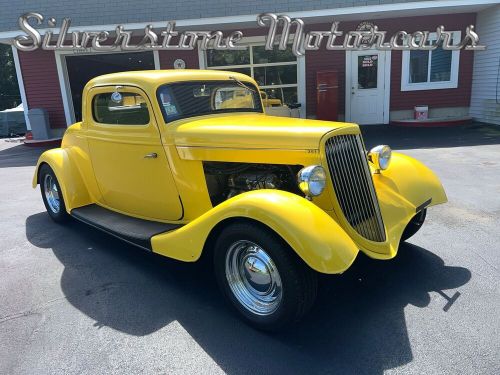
x,y
252,131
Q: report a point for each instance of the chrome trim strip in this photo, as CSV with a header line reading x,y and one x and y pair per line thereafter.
x,y
423,205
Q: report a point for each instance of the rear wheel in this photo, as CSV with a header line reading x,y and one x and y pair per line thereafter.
x,y
262,277
52,195
414,225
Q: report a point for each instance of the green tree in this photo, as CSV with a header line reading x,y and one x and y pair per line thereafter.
x,y
9,89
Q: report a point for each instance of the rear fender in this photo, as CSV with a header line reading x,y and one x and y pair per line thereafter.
x,y
309,231
73,188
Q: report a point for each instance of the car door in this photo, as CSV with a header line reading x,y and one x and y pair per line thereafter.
x,y
129,162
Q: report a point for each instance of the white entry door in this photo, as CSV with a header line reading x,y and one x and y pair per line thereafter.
x,y
367,86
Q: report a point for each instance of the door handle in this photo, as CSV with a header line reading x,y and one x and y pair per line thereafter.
x,y
152,155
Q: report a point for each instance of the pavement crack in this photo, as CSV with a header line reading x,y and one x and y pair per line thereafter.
x,y
37,309
18,315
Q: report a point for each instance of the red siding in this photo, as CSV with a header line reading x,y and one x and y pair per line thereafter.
x,y
41,84
335,60
167,59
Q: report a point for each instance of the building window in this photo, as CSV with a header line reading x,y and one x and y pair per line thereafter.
x,y
275,71
429,70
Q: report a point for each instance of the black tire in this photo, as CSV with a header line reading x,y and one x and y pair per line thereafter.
x,y
58,215
414,225
298,282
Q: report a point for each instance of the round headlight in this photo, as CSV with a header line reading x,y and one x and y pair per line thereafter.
x,y
312,180
380,156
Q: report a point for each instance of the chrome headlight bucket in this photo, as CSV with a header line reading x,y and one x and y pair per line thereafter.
x,y
380,156
312,180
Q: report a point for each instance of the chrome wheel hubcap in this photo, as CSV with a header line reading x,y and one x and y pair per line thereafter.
x,y
253,278
51,193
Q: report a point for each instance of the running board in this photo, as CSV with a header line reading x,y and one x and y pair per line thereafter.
x,y
133,230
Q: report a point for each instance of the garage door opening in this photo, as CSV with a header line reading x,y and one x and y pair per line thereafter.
x,y
82,68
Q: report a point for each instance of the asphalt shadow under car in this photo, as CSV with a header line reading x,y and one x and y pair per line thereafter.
x,y
357,325
367,320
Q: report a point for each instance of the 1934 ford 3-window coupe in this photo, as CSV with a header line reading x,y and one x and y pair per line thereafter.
x,y
186,162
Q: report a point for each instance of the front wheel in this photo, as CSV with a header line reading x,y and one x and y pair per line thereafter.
x,y
52,195
262,277
414,225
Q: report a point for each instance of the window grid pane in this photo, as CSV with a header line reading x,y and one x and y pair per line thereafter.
x,y
419,66
286,95
276,75
440,65
226,58
261,56
275,70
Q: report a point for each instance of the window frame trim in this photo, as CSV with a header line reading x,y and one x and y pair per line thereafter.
x,y
451,84
103,89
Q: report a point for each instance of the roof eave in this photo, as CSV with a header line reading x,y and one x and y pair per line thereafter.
x,y
409,9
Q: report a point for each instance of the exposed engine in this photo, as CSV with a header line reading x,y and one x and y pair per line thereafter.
x,y
225,180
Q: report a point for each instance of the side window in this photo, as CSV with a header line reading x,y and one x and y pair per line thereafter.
x,y
120,109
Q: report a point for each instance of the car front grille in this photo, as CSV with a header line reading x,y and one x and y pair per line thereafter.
x,y
353,184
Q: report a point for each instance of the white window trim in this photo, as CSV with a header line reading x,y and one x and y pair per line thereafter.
x,y
20,82
452,84
260,41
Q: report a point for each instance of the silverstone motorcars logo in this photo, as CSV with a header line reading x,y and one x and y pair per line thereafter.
x,y
292,31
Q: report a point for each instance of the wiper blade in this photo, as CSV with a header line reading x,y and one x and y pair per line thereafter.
x,y
242,84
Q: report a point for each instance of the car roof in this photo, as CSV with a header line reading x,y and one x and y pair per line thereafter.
x,y
154,78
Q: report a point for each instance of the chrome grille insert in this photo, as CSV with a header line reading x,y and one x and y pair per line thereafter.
x,y
353,185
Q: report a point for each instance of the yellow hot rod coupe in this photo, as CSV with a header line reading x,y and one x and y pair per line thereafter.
x,y
186,162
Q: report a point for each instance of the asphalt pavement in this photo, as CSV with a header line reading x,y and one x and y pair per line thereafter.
x,y
74,300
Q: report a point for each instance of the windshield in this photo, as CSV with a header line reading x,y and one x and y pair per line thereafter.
x,y
188,99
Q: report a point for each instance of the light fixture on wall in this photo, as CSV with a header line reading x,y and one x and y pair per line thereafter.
x,y
179,64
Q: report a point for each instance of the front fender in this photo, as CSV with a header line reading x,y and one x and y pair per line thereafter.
x,y
73,188
402,189
411,180
309,231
